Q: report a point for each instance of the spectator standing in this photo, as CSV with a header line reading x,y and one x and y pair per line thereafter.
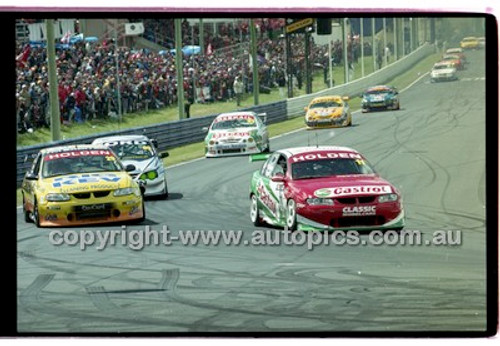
x,y
238,90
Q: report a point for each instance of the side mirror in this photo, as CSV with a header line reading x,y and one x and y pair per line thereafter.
x,y
164,154
204,129
155,143
31,176
130,168
278,178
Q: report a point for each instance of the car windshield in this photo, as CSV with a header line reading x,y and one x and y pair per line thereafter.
x,y
329,167
232,123
378,92
440,67
82,161
132,150
325,104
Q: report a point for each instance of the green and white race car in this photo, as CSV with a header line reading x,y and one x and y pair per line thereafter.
x,y
237,133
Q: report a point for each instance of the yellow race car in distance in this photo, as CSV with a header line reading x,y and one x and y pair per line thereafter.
x,y
80,185
328,111
469,43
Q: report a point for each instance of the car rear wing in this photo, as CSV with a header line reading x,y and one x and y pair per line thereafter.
x,y
258,157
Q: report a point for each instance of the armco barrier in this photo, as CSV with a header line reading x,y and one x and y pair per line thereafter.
x,y
169,135
295,106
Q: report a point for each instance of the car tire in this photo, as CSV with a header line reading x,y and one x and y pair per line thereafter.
x,y
27,216
143,218
291,215
35,215
255,211
268,147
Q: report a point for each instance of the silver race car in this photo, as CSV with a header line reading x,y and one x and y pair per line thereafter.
x,y
141,152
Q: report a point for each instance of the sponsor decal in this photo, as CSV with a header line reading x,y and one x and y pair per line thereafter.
x,y
353,190
326,155
76,153
359,211
233,117
93,207
50,217
86,178
266,198
217,135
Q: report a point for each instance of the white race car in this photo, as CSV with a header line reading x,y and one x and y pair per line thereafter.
x,y
443,71
140,151
237,133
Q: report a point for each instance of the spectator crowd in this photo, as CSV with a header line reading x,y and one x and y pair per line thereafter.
x,y
87,74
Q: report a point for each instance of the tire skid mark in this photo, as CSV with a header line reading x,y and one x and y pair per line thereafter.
x,y
30,295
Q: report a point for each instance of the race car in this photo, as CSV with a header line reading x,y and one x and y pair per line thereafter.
x,y
328,111
443,71
481,42
455,59
141,152
80,185
380,97
469,43
458,52
322,188
237,133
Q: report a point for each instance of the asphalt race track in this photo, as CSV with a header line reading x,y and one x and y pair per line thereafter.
x,y
433,150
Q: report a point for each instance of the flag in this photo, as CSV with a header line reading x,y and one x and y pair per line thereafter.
x,y
66,37
23,56
209,49
134,28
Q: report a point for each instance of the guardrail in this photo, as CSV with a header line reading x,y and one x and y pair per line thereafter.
x,y
295,106
187,131
169,135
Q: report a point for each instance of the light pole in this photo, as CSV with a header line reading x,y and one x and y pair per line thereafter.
x,y
55,117
362,43
179,67
374,49
255,63
344,48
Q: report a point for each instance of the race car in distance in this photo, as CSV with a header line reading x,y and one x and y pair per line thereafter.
x,y
443,71
481,42
140,151
322,188
328,111
455,59
80,184
380,97
237,133
469,43
457,51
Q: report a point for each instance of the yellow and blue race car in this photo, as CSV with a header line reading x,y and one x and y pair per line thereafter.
x,y
80,184
328,111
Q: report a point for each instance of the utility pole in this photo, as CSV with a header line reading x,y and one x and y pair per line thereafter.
x,y
344,48
374,49
55,117
201,38
362,43
255,63
289,67
179,67
307,63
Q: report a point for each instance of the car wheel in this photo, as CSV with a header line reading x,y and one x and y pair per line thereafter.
x,y
255,211
35,216
164,195
268,147
27,216
291,215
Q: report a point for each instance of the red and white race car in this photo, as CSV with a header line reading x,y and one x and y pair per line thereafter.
x,y
323,188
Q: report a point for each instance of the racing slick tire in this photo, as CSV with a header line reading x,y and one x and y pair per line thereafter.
x,y
27,216
35,216
254,211
291,215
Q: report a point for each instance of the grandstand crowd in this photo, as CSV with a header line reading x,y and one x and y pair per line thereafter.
x,y
88,86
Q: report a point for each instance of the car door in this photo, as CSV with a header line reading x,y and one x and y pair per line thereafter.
x,y
29,185
271,193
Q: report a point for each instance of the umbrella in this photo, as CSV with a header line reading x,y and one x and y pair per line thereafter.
x,y
91,39
190,50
